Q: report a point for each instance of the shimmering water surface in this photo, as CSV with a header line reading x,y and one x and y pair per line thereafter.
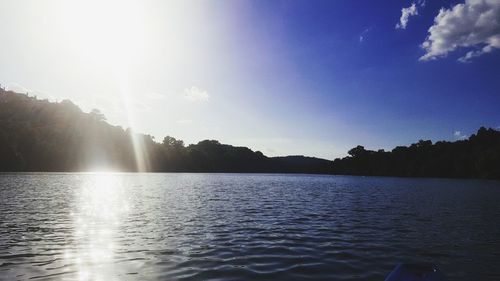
x,y
243,227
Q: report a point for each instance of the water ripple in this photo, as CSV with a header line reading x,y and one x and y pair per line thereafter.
x,y
243,227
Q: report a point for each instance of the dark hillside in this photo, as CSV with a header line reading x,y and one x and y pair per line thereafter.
x,y
38,135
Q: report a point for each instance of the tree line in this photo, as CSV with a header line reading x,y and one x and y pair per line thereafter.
x,y
39,135
476,157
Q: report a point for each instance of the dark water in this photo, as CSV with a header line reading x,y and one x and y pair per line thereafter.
x,y
243,227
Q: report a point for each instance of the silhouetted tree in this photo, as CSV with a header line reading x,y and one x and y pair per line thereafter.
x,y
38,135
478,157
357,151
97,115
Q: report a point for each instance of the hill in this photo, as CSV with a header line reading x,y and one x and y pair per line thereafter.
x,y
38,135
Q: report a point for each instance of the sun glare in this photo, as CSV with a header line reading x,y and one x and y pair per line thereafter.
x,y
111,35
101,205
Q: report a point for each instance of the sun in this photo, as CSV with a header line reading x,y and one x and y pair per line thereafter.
x,y
108,33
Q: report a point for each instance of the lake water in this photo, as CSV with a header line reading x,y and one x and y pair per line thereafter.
x,y
244,227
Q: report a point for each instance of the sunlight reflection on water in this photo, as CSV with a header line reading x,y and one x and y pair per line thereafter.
x,y
101,205
226,227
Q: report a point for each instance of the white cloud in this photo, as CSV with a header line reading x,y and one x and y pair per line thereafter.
x,y
473,24
195,94
406,13
459,135
363,34
184,121
155,96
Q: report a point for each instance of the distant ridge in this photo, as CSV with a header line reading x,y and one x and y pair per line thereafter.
x,y
38,135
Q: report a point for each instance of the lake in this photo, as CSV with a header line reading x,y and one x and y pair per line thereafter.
x,y
244,227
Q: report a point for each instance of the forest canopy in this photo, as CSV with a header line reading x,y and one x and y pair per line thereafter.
x,y
39,135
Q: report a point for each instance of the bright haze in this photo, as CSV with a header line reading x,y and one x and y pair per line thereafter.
x,y
283,77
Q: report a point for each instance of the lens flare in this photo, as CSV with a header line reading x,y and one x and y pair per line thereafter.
x,y
111,35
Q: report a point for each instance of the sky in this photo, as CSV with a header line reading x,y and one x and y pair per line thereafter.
x,y
287,77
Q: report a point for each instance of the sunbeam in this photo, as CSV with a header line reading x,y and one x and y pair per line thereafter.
x,y
111,34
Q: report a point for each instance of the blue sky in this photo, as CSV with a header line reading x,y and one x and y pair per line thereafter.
x,y
283,77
